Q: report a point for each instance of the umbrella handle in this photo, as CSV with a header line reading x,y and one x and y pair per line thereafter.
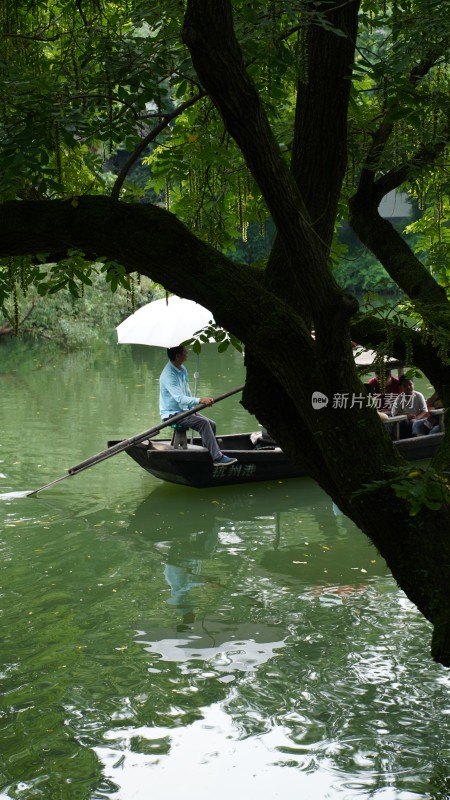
x,y
196,374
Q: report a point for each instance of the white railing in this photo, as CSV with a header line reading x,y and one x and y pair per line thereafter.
x,y
438,412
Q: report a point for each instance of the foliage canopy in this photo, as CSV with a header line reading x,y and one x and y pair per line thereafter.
x,y
84,80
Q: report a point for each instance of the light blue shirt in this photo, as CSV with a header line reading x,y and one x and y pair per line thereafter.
x,y
174,392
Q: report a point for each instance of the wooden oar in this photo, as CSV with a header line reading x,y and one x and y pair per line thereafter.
x,y
123,445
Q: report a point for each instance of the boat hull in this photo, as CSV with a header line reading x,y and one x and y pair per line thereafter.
x,y
193,466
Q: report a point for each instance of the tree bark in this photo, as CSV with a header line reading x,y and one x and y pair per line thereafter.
x,y
319,161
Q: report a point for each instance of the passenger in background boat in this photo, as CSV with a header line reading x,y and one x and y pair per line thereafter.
x,y
391,389
412,404
175,396
431,423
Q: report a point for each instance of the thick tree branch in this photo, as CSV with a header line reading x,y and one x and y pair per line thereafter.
x,y
383,133
319,155
209,34
393,252
408,345
384,241
150,240
424,156
377,233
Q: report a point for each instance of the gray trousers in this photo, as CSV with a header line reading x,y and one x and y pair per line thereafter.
x,y
207,430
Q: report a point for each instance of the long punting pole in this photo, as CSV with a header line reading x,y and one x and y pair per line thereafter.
x,y
126,443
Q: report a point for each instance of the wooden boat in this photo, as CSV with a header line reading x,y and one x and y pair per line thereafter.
x,y
191,465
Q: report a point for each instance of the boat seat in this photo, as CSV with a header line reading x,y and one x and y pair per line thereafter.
x,y
179,437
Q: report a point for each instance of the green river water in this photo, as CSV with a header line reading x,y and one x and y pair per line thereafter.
x,y
160,642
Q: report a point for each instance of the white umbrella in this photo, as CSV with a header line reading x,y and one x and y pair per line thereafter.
x,y
164,323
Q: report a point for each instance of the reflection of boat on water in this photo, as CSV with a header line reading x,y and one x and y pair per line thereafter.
x,y
192,465
168,508
243,544
227,642
288,530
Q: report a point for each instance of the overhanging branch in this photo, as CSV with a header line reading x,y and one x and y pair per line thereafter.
x,y
149,240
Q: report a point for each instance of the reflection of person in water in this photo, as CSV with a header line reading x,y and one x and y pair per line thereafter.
x,y
182,573
182,579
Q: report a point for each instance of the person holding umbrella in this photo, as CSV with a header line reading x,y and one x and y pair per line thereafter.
x,y
175,396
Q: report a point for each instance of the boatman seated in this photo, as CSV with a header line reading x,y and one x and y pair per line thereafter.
x,y
175,396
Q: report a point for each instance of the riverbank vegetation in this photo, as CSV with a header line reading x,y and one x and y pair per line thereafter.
x,y
310,113
75,319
